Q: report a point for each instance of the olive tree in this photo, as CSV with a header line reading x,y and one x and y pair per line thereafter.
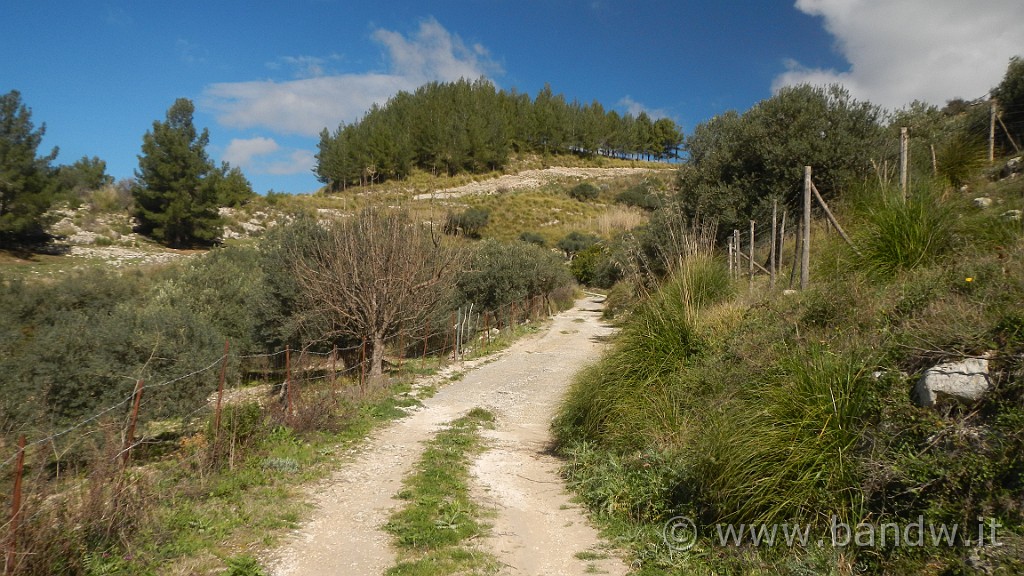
x,y
370,276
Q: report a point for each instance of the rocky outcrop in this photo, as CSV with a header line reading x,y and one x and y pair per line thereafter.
x,y
965,381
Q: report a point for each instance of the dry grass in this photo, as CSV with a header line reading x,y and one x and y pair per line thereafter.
x,y
616,219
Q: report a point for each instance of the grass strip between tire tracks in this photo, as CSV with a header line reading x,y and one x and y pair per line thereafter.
x,y
433,531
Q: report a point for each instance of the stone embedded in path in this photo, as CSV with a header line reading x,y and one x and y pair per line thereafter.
x,y
966,380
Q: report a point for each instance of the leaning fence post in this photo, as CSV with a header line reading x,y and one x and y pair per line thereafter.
x,y
12,542
130,436
220,394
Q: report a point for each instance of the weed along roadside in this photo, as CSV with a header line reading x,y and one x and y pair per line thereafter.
x,y
496,499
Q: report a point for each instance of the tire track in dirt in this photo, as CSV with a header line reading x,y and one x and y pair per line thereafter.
x,y
537,531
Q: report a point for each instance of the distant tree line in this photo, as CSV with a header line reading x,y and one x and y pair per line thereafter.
x,y
472,127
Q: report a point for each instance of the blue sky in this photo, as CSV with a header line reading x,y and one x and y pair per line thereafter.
x,y
267,76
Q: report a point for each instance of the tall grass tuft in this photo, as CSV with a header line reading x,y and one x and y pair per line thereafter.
x,y
961,157
635,393
787,449
904,234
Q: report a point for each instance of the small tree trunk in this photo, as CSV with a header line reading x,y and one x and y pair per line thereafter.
x,y
377,358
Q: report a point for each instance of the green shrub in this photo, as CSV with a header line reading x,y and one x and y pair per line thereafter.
x,y
575,242
640,196
533,238
584,192
594,267
470,222
500,273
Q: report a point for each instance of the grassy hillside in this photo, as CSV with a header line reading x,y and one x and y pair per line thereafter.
x,y
740,409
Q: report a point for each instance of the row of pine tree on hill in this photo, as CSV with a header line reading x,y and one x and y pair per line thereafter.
x,y
473,127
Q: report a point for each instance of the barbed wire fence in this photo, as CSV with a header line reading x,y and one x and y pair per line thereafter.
x,y
274,381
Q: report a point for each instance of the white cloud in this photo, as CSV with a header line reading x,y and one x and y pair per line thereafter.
x,y
307,105
262,155
241,151
303,66
906,50
635,108
298,161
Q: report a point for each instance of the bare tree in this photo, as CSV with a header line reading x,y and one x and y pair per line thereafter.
x,y
369,276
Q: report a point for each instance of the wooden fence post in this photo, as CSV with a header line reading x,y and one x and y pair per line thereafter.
x,y
805,251
832,218
130,436
904,160
736,250
12,541
729,245
992,132
1009,135
220,393
782,237
751,263
798,246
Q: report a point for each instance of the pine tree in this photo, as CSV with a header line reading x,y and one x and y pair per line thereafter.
x,y
25,179
177,202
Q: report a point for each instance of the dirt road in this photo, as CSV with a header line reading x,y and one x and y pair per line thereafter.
x,y
537,530
532,179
